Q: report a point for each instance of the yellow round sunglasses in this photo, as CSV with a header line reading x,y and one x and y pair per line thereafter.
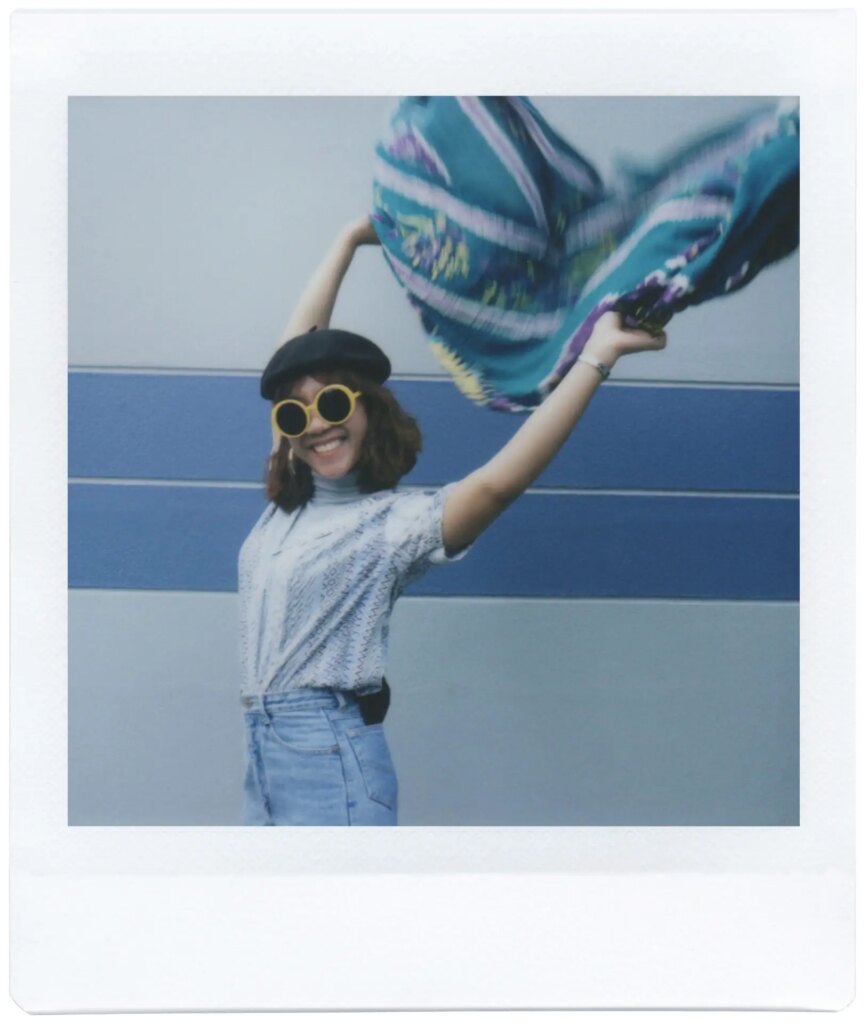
x,y
334,404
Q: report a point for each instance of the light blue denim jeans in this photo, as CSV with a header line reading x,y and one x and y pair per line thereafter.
x,y
311,760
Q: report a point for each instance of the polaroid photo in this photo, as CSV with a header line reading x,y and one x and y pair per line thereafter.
x,y
617,741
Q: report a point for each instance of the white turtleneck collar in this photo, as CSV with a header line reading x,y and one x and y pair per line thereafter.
x,y
336,492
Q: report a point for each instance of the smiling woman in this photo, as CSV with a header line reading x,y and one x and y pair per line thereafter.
x,y
322,568
318,577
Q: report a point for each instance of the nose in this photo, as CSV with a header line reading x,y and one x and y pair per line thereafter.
x,y
317,424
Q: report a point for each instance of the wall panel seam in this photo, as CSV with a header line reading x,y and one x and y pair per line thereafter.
x,y
168,371
561,491
466,598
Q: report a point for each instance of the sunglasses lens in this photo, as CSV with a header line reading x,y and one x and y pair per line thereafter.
x,y
334,405
291,419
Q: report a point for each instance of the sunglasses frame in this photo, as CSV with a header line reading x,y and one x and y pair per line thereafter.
x,y
306,409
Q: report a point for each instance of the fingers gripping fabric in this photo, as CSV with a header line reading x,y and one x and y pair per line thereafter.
x,y
510,247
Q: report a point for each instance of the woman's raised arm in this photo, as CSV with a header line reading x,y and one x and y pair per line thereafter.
x,y
476,501
316,304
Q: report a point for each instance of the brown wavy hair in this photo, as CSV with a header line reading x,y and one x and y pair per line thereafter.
x,y
389,450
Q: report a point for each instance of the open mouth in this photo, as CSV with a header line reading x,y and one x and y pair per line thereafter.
x,y
327,447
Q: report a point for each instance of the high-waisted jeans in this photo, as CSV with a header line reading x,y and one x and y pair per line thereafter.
x,y
311,760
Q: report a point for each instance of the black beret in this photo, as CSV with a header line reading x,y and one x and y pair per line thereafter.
x,y
325,349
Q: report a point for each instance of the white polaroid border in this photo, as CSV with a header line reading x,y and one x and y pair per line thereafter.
x,y
185,918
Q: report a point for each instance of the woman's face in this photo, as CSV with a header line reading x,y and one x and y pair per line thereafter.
x,y
331,451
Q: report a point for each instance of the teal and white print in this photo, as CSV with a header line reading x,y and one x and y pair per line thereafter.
x,y
510,246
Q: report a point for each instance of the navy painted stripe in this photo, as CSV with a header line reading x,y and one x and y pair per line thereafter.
x,y
205,427
187,538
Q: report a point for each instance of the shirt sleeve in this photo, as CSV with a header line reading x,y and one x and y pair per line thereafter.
x,y
415,531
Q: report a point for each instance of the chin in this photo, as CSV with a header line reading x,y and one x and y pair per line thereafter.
x,y
334,470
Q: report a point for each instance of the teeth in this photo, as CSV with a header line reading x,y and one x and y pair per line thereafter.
x,y
329,447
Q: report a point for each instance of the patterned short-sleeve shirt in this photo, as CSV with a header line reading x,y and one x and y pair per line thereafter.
x,y
317,586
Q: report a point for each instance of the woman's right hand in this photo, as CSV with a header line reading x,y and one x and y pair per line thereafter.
x,y
362,232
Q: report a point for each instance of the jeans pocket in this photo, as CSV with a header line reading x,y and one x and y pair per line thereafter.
x,y
375,764
303,732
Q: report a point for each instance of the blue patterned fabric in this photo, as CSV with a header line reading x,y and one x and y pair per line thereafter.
x,y
510,246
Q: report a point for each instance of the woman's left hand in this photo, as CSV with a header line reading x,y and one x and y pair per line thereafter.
x,y
610,339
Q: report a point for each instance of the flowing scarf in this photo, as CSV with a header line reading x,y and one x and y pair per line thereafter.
x,y
510,246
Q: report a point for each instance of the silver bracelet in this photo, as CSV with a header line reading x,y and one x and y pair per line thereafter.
x,y
601,367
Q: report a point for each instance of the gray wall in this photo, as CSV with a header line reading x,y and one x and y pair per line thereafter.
x,y
193,225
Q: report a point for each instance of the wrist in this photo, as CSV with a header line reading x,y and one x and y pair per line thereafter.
x,y
360,232
600,368
347,241
607,354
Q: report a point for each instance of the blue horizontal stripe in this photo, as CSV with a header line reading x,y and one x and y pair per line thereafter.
x,y
187,538
205,427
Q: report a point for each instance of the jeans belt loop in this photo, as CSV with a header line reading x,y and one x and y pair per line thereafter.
x,y
341,698
256,702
